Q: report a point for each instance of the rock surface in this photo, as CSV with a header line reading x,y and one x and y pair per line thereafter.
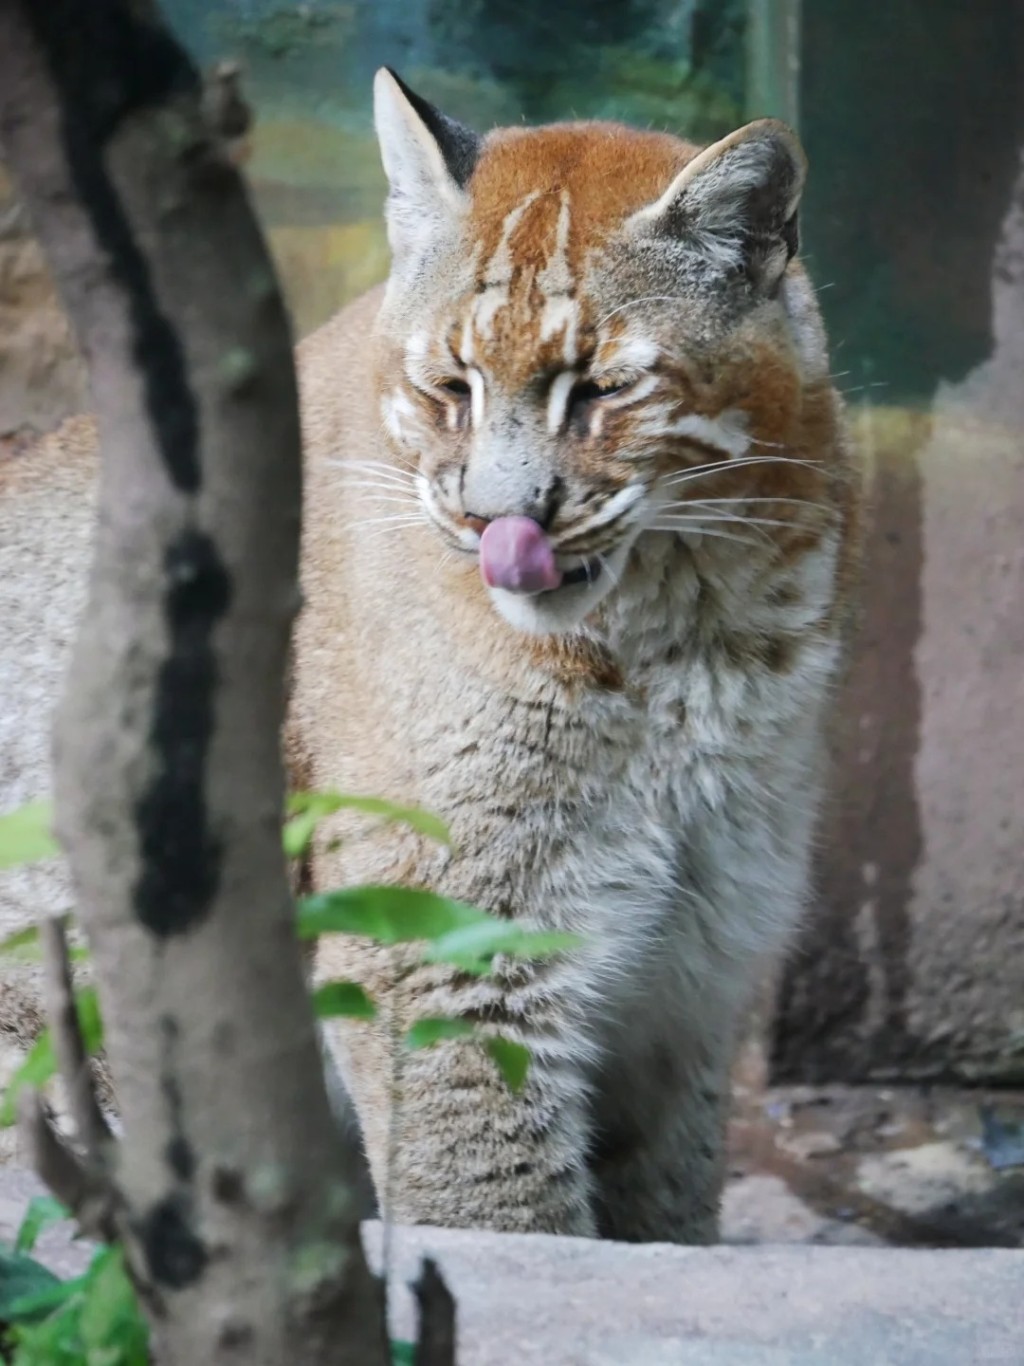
x,y
536,1299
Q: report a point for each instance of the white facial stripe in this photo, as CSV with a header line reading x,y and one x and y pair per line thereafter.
x,y
634,393
615,506
487,305
562,386
394,409
466,349
415,371
630,353
561,315
476,397
556,284
417,346
558,399
725,432
499,269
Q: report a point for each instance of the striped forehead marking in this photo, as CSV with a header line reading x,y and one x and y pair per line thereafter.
x,y
551,286
558,285
496,276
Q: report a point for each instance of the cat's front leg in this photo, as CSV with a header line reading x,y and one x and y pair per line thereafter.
x,y
660,1110
449,1143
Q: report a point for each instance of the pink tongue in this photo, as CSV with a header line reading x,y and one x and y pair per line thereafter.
x,y
516,555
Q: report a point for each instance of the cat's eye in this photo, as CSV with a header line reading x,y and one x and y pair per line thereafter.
x,y
586,392
456,388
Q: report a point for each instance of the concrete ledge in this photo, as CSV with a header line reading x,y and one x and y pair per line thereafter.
x,y
530,1300
540,1301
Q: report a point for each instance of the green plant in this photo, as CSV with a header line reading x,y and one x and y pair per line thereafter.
x,y
25,835
44,1321
95,1318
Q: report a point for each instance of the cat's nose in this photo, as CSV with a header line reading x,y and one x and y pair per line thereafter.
x,y
542,508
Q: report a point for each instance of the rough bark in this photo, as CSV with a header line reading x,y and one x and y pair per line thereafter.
x,y
228,1188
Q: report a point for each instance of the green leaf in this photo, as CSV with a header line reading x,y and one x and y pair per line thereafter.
x,y
41,1063
512,1061
112,1327
25,835
342,998
93,1320
308,809
403,1353
391,915
90,1021
473,947
25,1285
427,1032
42,1211
24,944
37,1069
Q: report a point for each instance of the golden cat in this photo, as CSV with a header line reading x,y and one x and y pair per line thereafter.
x,y
581,539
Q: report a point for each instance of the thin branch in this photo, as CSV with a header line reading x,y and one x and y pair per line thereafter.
x,y
92,1131
75,1181
435,1345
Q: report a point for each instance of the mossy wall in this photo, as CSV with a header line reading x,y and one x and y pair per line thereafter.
x,y
676,64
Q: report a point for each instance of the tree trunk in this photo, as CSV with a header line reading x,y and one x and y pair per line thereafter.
x,y
228,1190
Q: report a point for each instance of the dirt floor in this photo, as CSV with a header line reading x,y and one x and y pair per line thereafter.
x,y
903,1166
908,1166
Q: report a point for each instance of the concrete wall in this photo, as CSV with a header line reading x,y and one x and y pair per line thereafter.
x,y
913,962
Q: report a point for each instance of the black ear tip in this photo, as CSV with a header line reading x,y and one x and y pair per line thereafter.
x,y
459,146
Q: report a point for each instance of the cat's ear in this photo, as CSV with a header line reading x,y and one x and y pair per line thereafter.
x,y
737,202
428,160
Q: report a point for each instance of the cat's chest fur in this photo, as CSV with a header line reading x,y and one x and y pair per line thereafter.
x,y
643,811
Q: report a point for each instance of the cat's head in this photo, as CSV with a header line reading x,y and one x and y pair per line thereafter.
x,y
580,320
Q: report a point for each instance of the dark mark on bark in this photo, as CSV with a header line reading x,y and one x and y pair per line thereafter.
x,y
226,1185
108,63
234,1334
178,1150
180,1157
181,858
175,1255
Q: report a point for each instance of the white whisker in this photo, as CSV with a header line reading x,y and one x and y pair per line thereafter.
x,y
699,529
701,523
634,303
370,469
374,530
746,502
743,462
606,566
399,519
673,509
386,492
770,445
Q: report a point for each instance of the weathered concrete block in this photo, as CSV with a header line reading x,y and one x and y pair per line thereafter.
x,y
533,1300
913,961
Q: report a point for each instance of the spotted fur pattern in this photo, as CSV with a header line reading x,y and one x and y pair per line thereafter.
x,y
605,330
